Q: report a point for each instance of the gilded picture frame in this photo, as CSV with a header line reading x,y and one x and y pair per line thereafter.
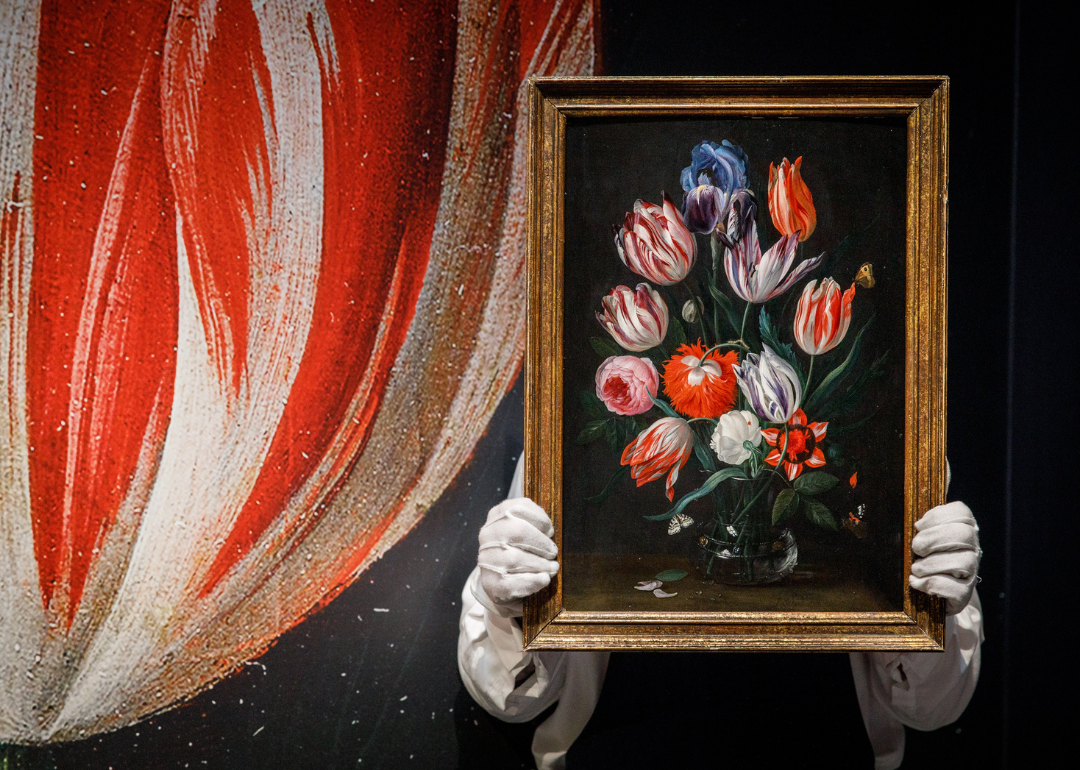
x,y
911,116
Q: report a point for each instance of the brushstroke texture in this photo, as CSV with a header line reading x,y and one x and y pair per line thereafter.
x,y
263,282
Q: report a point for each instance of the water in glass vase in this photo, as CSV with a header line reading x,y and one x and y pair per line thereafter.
x,y
741,546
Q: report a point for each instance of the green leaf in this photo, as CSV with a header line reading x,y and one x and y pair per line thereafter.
x,y
786,504
593,430
703,453
676,334
734,319
605,348
840,430
815,483
663,406
819,514
822,392
853,239
850,399
671,575
593,405
710,484
611,433
623,472
628,430
771,337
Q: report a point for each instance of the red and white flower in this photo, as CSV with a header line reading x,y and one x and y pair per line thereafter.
x,y
242,348
637,320
663,447
823,316
800,446
655,244
791,205
627,384
701,384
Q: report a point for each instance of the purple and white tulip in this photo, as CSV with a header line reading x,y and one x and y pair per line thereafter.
x,y
758,277
637,320
770,384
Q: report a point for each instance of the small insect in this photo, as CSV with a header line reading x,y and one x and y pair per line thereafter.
x,y
855,523
865,276
678,523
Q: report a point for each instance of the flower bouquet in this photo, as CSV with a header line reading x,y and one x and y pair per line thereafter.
x,y
719,383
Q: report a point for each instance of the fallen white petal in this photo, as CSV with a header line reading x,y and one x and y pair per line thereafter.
x,y
659,593
648,585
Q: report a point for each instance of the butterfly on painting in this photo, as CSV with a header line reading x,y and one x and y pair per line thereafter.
x,y
855,523
865,276
678,523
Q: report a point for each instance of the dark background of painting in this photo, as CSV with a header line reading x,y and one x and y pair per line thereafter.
x,y
1013,371
857,172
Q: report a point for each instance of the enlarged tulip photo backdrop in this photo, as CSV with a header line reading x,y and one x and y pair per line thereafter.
x,y
734,332
262,289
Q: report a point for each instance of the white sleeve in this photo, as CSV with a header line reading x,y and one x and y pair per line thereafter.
x,y
510,684
921,690
518,686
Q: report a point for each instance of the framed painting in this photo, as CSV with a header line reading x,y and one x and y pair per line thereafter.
x,y
735,362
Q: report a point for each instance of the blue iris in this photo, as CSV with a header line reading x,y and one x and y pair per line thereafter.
x,y
716,165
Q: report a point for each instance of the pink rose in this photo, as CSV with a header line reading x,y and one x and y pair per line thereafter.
x,y
626,384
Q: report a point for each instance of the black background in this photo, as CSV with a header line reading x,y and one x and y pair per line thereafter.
x,y
329,694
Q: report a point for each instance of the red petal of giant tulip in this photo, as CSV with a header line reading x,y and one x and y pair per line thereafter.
x,y
273,295
103,294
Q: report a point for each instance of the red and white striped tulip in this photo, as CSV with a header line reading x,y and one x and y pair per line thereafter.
x,y
823,316
241,348
655,244
663,447
791,205
637,320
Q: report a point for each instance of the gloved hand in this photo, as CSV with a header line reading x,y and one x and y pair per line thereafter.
x,y
516,555
948,541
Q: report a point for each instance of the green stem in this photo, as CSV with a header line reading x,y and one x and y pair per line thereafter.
x,y
745,315
776,468
809,376
715,247
699,306
762,491
736,344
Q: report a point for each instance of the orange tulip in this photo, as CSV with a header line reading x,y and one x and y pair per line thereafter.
x,y
790,203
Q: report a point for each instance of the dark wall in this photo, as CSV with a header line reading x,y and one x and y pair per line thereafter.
x,y
976,52
1039,676
352,688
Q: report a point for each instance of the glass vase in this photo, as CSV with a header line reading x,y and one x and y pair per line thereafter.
x,y
741,546
748,563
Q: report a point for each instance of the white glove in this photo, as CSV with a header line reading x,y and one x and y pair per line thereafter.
x,y
948,541
516,555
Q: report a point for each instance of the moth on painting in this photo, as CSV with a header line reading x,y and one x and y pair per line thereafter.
x,y
678,523
865,276
855,522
